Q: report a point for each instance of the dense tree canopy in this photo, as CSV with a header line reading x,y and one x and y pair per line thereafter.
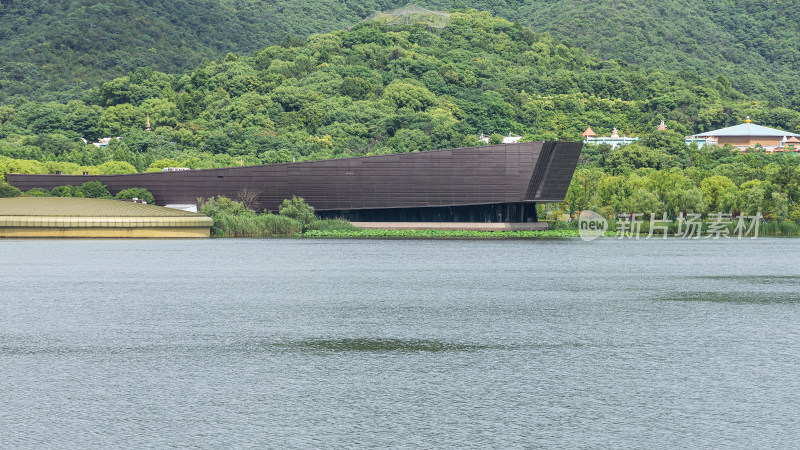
x,y
55,49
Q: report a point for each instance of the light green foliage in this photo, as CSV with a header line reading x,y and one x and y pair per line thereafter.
x,y
714,189
233,219
405,95
695,189
296,208
685,201
223,205
116,167
644,201
780,205
37,192
331,225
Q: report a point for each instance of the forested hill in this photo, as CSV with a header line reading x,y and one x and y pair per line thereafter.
x,y
372,89
48,47
56,45
754,43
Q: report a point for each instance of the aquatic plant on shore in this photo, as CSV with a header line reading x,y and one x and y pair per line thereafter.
x,y
438,234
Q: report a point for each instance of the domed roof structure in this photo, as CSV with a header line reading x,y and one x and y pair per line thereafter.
x,y
88,217
748,129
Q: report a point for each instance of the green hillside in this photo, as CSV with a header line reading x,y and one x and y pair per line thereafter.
x,y
380,88
67,45
752,42
54,49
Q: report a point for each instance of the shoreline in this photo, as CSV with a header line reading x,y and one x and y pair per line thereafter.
x,y
474,235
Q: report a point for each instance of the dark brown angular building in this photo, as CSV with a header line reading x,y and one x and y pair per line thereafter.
x,y
477,184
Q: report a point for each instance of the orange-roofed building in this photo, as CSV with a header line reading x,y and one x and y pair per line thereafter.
x,y
615,140
792,144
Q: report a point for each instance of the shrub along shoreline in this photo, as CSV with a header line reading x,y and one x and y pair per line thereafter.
x,y
233,219
296,219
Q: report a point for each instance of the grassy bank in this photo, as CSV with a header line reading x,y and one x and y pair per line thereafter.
x,y
437,234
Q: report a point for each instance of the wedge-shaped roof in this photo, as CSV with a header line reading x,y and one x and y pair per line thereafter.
x,y
747,129
489,174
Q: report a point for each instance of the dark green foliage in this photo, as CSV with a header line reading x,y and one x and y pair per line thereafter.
x,y
748,46
356,88
7,191
90,189
94,189
57,49
140,193
65,191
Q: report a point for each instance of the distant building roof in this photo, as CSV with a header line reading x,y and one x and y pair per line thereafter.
x,y
748,129
793,140
589,132
506,139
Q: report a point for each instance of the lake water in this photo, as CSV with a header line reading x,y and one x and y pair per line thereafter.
x,y
354,343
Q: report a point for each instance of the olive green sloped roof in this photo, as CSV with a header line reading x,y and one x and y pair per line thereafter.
x,y
90,212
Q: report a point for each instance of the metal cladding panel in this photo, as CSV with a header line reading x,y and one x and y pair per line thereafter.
x,y
558,172
452,177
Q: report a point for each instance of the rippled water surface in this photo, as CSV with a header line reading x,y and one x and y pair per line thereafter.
x,y
330,343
